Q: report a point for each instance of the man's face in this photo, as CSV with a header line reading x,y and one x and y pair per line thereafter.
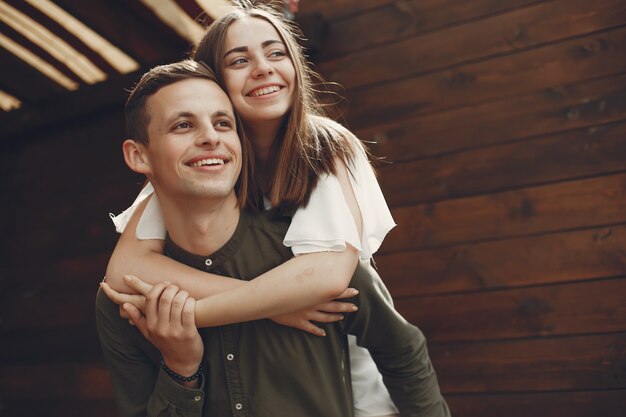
x,y
194,149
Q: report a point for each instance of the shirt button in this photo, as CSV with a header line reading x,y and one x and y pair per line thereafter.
x,y
197,398
238,406
230,356
208,262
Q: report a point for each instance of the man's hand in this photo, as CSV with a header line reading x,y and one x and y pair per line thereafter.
x,y
328,312
169,324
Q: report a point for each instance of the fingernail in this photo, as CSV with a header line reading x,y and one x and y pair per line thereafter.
x,y
127,278
354,308
323,333
355,292
340,317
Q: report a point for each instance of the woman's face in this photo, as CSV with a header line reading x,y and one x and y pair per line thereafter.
x,y
259,75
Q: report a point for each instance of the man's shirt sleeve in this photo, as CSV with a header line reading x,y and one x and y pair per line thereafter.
x,y
141,388
397,347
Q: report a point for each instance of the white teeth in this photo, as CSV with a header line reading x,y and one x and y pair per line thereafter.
x,y
204,162
264,91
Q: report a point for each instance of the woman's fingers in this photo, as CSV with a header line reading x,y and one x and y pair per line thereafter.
x,y
323,317
120,298
337,307
348,293
137,284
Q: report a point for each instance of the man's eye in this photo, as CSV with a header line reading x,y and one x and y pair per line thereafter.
x,y
223,124
182,125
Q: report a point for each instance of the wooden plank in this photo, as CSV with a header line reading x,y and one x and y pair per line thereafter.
x,y
62,344
72,108
565,309
146,39
553,258
32,407
569,363
57,381
576,154
550,404
337,9
72,227
401,19
477,40
583,58
570,205
63,309
547,111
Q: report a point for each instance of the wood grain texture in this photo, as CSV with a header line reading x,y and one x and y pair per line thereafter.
x,y
401,19
553,65
591,362
477,40
565,156
572,404
550,310
543,112
557,207
552,258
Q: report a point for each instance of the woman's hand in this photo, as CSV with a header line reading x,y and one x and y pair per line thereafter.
x,y
137,299
328,312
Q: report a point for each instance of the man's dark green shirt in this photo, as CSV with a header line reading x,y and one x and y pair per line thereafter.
x,y
263,369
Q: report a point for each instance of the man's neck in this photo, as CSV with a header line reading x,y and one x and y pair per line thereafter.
x,y
199,226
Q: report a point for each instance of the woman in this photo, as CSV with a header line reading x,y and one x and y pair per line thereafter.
x,y
306,164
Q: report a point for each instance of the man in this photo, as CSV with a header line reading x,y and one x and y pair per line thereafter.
x,y
191,153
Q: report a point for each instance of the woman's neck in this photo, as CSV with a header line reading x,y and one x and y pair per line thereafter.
x,y
263,135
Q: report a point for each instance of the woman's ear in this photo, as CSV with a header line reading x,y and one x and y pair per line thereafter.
x,y
136,156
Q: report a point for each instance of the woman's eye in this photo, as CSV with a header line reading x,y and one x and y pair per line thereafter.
x,y
238,61
277,53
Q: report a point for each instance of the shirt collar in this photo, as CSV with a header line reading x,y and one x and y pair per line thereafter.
x,y
215,260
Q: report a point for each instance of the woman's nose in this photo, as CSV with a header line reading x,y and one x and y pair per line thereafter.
x,y
262,68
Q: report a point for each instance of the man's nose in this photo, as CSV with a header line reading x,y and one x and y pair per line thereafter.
x,y
208,136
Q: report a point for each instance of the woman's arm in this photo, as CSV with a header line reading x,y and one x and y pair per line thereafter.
x,y
302,282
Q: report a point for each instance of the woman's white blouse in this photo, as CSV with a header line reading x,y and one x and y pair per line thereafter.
x,y
325,224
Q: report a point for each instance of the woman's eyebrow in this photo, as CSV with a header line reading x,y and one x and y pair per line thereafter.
x,y
245,48
271,42
237,49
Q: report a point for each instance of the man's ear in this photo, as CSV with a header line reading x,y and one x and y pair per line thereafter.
x,y
136,156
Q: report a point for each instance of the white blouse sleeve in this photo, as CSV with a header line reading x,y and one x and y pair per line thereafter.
x,y
326,223
151,224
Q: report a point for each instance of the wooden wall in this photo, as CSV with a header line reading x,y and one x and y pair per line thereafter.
x,y
505,122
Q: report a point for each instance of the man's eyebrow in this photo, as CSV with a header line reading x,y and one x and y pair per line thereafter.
x,y
181,114
245,48
224,113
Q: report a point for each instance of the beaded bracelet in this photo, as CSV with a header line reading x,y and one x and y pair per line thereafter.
x,y
179,377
